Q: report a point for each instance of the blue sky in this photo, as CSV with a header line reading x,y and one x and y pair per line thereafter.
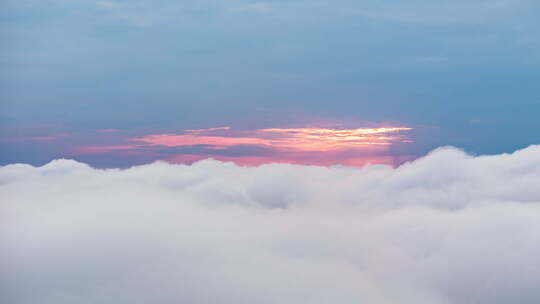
x,y
461,73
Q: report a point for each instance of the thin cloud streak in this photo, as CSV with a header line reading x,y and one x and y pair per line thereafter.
x,y
306,146
297,139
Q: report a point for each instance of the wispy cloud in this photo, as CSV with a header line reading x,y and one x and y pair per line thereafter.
x,y
108,131
301,139
44,138
318,146
105,149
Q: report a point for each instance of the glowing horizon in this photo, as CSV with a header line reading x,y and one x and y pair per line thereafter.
x,y
303,139
318,146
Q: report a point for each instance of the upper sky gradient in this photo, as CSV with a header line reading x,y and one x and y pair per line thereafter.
x,y
119,83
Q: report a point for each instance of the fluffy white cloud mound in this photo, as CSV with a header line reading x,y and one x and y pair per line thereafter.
x,y
446,228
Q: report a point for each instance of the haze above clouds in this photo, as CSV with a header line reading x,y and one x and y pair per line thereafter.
x,y
446,228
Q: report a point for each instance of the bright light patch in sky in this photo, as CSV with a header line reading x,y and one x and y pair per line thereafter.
x,y
302,139
317,146
311,139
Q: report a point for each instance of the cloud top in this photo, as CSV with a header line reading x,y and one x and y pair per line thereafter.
x,y
447,228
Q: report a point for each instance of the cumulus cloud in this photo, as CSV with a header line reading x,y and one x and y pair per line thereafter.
x,y
446,228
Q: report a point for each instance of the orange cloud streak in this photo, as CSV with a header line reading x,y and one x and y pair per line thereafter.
x,y
299,139
312,139
173,140
308,146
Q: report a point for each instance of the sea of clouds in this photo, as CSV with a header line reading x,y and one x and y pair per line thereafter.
x,y
446,228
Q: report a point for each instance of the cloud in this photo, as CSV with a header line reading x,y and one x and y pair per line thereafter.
x,y
311,146
43,138
446,228
301,139
108,131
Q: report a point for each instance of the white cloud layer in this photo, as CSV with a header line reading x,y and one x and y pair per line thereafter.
x,y
447,228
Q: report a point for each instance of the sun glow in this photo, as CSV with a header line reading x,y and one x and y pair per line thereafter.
x,y
331,139
323,146
300,139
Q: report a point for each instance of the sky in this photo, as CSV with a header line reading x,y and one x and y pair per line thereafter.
x,y
283,151
109,83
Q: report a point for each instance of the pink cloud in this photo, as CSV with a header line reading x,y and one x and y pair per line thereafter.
x,y
104,149
43,138
208,130
173,140
308,146
300,139
108,131
251,161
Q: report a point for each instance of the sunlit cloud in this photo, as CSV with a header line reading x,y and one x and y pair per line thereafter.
x,y
105,149
301,139
208,130
312,139
173,140
107,131
307,146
